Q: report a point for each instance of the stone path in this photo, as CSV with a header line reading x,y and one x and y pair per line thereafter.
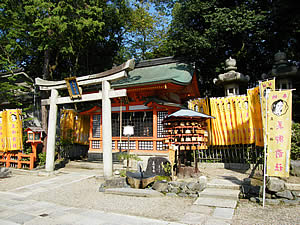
x,y
49,184
216,204
17,210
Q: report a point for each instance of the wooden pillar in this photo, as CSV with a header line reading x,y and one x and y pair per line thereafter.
x,y
106,130
51,131
154,128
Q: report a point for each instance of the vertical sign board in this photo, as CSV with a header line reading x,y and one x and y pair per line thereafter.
x,y
279,132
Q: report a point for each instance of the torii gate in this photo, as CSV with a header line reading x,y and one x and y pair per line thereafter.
x,y
106,94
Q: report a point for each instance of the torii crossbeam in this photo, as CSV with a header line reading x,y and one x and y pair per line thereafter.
x,y
105,94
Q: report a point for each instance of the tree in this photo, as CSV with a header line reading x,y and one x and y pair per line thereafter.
x,y
61,38
145,32
208,32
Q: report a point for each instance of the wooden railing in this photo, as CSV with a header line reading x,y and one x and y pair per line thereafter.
x,y
17,160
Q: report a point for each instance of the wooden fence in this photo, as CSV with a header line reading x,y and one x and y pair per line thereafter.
x,y
247,154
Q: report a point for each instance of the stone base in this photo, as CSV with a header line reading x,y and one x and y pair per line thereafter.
x,y
98,156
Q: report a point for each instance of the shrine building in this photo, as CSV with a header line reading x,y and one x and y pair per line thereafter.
x,y
155,88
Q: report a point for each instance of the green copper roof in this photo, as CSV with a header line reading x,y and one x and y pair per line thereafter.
x,y
155,73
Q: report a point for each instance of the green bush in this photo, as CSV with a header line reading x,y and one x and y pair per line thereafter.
x,y
42,158
295,145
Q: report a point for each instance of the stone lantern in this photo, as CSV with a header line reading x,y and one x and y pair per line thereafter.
x,y
231,80
283,72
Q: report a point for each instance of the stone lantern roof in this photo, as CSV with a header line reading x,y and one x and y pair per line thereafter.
x,y
231,76
281,68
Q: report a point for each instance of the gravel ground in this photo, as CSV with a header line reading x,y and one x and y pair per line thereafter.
x,y
85,194
251,213
19,180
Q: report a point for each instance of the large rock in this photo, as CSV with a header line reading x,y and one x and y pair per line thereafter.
x,y
4,172
161,186
285,194
295,168
274,184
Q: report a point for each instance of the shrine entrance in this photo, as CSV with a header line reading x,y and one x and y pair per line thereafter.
x,y
74,86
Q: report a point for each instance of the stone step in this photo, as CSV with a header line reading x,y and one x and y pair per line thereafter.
x,y
97,165
220,193
134,192
233,184
216,202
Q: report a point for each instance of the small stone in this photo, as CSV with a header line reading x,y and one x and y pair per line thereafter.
x,y
296,193
190,185
173,189
291,202
274,184
255,199
182,195
272,201
171,194
285,194
174,184
160,186
193,195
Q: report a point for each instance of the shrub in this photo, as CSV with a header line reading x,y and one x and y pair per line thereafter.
x,y
295,145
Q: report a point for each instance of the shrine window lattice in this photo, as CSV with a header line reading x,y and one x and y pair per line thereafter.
x,y
124,145
95,144
96,126
160,129
161,146
145,145
142,122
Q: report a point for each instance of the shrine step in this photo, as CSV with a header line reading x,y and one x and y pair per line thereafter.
x,y
134,192
216,202
230,183
220,193
96,165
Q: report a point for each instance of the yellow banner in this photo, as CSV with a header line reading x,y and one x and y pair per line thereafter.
x,y
279,124
233,123
255,115
3,132
263,86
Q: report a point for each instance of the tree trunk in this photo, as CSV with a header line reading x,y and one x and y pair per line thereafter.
x,y
46,64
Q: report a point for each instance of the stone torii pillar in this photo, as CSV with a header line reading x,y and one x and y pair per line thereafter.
x,y
106,94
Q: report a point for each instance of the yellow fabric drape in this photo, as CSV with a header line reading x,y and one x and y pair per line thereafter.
x,y
279,124
255,112
14,130
237,118
74,127
3,122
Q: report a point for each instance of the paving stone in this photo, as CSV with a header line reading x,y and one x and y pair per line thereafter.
x,y
21,218
6,222
224,184
220,193
213,221
194,218
207,210
8,213
134,192
224,203
223,213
